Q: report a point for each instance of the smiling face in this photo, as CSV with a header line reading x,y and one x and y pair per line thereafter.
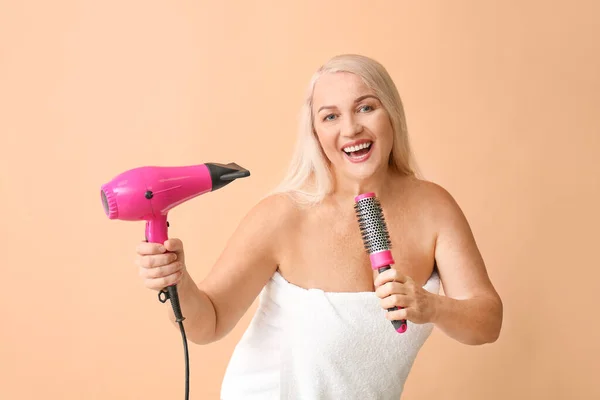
x,y
351,124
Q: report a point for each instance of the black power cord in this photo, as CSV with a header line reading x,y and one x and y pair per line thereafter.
x,y
170,293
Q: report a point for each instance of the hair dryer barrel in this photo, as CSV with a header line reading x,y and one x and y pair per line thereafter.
x,y
150,192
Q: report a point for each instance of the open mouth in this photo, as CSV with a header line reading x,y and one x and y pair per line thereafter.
x,y
359,152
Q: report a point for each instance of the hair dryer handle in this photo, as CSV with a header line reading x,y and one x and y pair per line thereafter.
x,y
157,229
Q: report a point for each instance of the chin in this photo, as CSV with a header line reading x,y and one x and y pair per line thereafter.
x,y
361,173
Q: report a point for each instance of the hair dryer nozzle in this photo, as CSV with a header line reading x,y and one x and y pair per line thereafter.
x,y
223,174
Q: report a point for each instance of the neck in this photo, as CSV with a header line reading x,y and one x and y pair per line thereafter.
x,y
380,183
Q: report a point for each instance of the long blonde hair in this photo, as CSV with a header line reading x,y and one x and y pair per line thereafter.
x,y
309,178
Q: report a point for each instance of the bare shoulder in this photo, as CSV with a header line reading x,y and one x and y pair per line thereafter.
x,y
460,262
253,248
431,193
274,212
439,207
269,222
436,204
249,259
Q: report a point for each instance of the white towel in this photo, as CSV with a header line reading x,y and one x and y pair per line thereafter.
x,y
316,345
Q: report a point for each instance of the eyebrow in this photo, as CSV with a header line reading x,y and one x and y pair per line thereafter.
x,y
358,100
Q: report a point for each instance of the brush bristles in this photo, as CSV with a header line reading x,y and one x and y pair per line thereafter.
x,y
372,225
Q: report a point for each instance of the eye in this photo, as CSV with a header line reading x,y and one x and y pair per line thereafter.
x,y
329,117
366,108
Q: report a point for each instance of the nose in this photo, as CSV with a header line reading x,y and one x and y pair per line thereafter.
x,y
350,127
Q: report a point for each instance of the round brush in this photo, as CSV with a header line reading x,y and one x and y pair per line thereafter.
x,y
376,239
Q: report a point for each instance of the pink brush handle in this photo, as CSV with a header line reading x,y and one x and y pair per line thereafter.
x,y
381,261
399,325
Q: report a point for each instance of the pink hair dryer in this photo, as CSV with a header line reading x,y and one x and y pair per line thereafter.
x,y
149,193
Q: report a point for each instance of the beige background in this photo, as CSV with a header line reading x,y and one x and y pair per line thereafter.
x,y
502,100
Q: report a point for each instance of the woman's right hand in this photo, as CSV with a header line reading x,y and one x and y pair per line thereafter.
x,y
160,265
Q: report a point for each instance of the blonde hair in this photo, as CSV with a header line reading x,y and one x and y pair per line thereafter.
x,y
309,179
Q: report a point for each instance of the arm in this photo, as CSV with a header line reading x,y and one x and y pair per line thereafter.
x,y
214,306
471,312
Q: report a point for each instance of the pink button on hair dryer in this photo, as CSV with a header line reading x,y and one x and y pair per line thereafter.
x,y
149,193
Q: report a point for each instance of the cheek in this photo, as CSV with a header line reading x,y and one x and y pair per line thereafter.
x,y
388,140
386,135
327,141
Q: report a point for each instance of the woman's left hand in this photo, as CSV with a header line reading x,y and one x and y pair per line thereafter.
x,y
414,303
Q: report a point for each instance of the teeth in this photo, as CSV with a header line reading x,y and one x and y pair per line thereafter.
x,y
351,149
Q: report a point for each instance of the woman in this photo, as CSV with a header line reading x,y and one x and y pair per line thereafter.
x,y
322,330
